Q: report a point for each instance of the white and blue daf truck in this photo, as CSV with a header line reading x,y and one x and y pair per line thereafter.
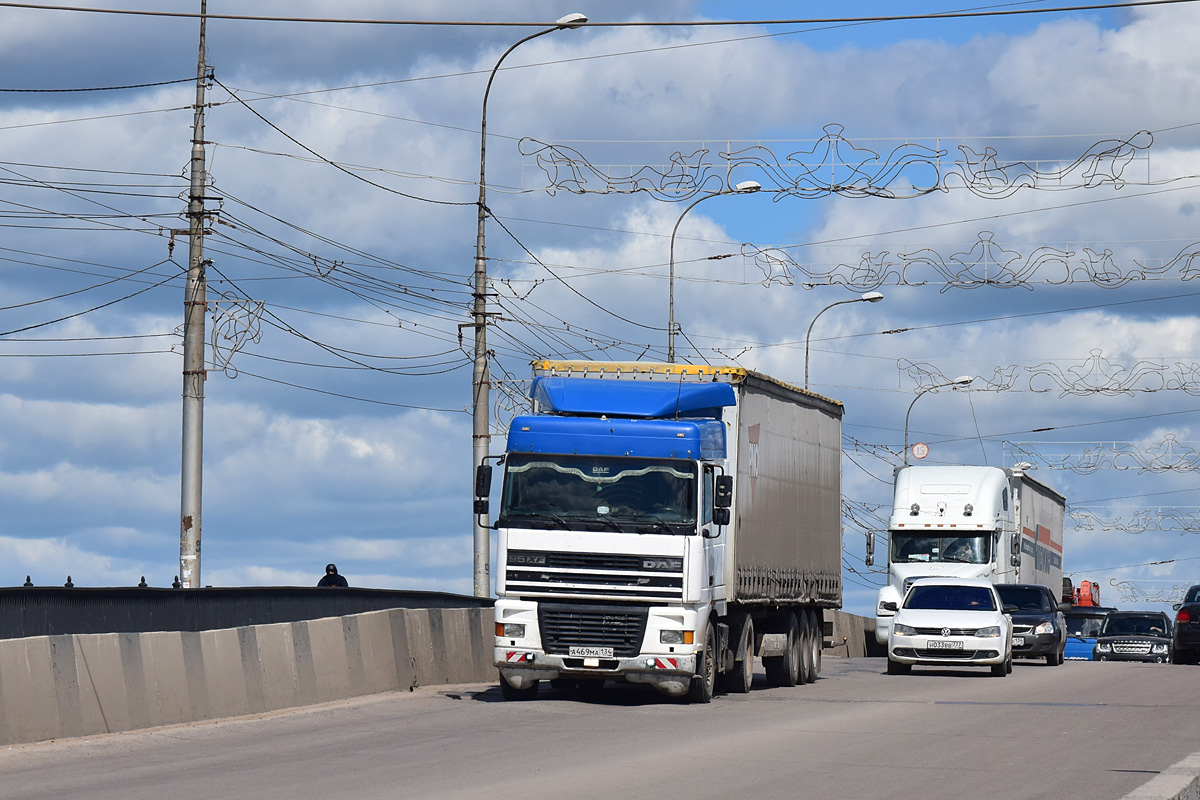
x,y
664,524
969,522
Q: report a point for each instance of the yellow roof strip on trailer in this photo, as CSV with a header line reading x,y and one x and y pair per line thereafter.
x,y
634,368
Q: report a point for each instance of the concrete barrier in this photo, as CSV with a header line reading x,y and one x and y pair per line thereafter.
x,y
83,684
853,636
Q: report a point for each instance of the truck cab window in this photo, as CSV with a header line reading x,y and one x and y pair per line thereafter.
x,y
908,548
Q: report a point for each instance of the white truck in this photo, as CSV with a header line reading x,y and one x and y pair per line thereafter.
x,y
969,522
663,524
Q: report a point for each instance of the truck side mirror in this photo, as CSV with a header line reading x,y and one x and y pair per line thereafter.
x,y
889,605
721,516
483,488
723,494
1015,560
870,559
483,480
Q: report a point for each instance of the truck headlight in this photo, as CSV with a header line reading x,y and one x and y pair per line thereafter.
x,y
676,637
1045,627
903,630
992,632
510,630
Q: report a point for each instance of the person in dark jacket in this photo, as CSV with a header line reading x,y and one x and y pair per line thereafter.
x,y
331,577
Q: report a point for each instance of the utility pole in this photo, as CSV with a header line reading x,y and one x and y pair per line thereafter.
x,y
195,305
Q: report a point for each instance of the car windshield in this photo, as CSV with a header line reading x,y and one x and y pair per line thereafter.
x,y
600,493
1025,598
1134,626
1083,627
910,548
946,597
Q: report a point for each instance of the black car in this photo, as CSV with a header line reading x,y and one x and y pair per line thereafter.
x,y
1186,641
1038,625
1134,636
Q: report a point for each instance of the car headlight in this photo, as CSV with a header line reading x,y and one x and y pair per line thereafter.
x,y
1104,647
903,630
1158,648
1045,627
989,633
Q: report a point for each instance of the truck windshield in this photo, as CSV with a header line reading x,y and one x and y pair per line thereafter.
x,y
911,548
636,495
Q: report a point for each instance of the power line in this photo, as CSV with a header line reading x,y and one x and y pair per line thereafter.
x,y
101,88
620,24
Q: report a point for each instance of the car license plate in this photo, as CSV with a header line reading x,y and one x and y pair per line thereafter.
x,y
944,644
590,652
1018,641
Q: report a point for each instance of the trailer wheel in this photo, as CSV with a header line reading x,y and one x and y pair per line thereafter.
x,y
807,667
818,619
703,684
741,677
784,670
511,692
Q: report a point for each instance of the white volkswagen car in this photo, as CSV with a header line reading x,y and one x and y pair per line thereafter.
x,y
950,622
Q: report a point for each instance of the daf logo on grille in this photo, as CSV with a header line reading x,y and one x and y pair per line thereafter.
x,y
945,631
656,563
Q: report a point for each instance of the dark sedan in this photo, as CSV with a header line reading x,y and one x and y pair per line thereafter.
x,y
1186,642
1134,636
1039,629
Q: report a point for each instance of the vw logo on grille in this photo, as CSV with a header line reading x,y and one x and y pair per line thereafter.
x,y
945,631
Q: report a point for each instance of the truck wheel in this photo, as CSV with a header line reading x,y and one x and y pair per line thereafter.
x,y
808,670
898,668
511,692
703,684
784,670
741,677
818,640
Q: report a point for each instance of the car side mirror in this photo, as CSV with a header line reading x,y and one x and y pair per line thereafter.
x,y
1011,609
1176,606
1064,607
888,605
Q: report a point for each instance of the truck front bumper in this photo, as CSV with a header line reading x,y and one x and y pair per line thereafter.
x,y
669,674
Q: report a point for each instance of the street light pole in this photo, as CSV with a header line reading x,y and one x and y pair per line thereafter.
x,y
480,376
869,297
745,187
961,380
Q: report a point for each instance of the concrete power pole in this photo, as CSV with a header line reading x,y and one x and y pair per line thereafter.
x,y
194,308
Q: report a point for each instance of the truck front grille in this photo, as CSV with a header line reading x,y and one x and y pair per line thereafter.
x,y
537,572
565,626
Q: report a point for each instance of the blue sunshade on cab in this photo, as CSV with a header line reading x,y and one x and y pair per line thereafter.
x,y
642,399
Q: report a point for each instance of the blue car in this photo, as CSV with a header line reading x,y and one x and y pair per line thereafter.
x,y
1083,624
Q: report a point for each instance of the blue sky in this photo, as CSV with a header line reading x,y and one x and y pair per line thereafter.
x,y
339,431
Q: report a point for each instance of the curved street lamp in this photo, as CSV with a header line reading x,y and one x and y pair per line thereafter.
x,y
962,380
745,187
480,379
869,297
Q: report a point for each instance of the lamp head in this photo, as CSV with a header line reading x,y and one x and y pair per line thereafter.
x,y
963,380
571,21
746,187
872,297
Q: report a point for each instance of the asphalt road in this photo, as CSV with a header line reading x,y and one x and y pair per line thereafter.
x,y
1078,730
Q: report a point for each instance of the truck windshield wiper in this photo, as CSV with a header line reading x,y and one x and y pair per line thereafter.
x,y
656,522
536,515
